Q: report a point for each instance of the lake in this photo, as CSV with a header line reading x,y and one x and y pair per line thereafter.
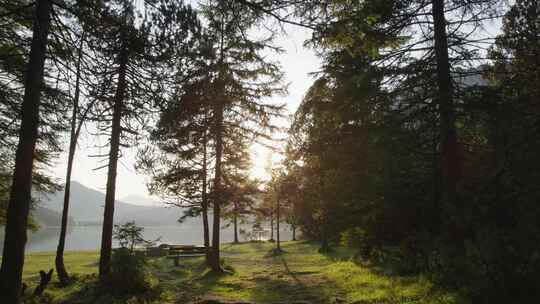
x,y
89,237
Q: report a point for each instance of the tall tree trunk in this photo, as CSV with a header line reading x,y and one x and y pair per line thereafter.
x,y
108,216
19,201
235,222
324,226
215,258
278,245
500,141
219,107
325,247
63,276
448,137
206,232
271,226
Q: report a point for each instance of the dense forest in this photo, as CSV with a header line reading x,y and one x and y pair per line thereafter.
x,y
416,146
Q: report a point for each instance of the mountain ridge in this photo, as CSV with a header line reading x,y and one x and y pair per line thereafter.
x,y
86,206
47,218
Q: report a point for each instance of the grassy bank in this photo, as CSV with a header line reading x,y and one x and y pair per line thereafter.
x,y
300,274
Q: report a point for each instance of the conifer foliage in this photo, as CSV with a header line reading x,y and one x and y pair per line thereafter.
x,y
416,143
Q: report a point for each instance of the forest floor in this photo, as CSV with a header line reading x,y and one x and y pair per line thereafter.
x,y
256,275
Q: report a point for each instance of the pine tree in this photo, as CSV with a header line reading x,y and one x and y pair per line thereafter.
x,y
243,79
134,53
78,117
240,190
275,195
19,202
179,156
417,45
15,36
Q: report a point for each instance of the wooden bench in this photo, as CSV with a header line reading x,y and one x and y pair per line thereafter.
x,y
177,252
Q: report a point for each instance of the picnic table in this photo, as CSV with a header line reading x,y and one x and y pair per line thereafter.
x,y
177,252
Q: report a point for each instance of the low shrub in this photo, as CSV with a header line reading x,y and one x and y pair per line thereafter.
x,y
128,274
358,239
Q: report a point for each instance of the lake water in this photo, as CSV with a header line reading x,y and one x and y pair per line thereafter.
x,y
89,237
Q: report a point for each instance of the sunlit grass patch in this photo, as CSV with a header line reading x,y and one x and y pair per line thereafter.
x,y
77,262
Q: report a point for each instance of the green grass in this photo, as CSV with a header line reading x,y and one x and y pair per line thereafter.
x,y
300,273
79,262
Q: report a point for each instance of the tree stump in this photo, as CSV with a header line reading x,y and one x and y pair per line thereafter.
x,y
45,278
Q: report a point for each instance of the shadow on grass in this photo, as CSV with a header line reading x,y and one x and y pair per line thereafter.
x,y
405,285
276,282
274,252
388,265
269,289
310,289
293,275
338,253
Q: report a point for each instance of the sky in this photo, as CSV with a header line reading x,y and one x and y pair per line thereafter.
x,y
297,63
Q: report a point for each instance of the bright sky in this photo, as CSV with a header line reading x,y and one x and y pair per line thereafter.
x,y
297,63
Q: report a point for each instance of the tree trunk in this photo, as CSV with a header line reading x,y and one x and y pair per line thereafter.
x,y
215,258
278,245
108,216
45,278
293,232
271,226
219,107
19,202
206,232
235,223
61,272
325,245
448,137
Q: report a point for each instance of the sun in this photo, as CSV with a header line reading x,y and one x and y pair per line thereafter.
x,y
263,160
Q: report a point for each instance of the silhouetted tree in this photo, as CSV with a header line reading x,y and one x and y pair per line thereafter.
x,y
19,202
134,53
240,190
179,156
78,117
243,78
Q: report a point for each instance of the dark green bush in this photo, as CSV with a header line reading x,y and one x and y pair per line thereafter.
x,y
357,238
128,274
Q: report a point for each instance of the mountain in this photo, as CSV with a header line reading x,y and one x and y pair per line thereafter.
x,y
141,200
86,207
46,217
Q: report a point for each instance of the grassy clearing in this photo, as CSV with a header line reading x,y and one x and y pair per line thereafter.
x,y
78,262
299,274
